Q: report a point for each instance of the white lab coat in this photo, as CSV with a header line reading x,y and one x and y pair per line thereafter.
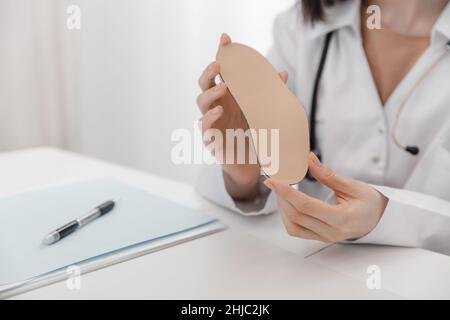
x,y
353,127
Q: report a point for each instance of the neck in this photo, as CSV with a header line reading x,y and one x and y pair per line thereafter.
x,y
409,17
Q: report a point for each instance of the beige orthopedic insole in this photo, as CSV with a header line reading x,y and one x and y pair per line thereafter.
x,y
267,103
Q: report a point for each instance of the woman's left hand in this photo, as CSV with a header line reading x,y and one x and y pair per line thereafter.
x,y
357,211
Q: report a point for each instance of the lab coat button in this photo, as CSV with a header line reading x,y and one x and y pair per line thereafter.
x,y
376,159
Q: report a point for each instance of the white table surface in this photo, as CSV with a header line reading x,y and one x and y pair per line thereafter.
x,y
252,258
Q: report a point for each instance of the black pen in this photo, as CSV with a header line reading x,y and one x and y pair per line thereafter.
x,y
74,225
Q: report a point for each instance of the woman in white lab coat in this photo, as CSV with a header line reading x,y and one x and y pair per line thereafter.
x,y
381,91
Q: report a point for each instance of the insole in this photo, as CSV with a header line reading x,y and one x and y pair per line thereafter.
x,y
267,105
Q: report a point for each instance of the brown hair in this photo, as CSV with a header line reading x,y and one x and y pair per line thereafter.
x,y
314,10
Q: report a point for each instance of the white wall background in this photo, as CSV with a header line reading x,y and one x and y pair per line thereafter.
x,y
117,88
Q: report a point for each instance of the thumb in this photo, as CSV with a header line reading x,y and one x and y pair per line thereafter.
x,y
328,177
224,39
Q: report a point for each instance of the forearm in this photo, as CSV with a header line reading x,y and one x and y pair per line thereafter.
x,y
211,185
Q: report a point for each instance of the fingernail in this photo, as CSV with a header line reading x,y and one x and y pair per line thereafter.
x,y
221,37
315,160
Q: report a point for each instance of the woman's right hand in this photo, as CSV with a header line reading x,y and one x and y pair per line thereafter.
x,y
221,112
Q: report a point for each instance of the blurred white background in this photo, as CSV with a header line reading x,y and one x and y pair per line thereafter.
x,y
119,86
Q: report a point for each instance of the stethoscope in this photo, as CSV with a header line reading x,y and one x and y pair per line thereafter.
x,y
412,149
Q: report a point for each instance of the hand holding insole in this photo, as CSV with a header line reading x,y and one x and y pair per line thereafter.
x,y
268,105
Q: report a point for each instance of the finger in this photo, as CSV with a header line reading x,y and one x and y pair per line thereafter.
x,y
206,98
206,79
301,232
224,39
329,178
298,231
319,229
206,122
284,76
304,203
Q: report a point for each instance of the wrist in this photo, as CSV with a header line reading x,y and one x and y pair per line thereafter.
x,y
242,187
